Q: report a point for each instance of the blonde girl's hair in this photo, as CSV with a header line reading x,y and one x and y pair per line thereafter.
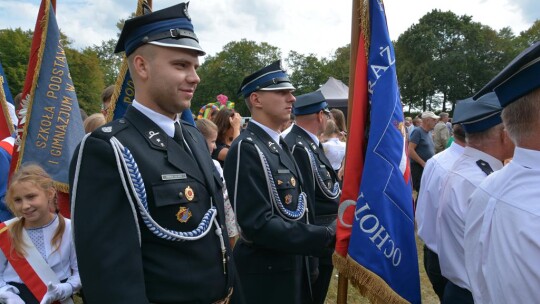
x,y
339,119
331,129
206,126
93,122
34,174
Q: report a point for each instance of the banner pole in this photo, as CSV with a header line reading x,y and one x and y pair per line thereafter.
x,y
343,282
343,285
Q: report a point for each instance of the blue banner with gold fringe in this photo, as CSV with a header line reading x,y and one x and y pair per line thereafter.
x,y
382,250
50,126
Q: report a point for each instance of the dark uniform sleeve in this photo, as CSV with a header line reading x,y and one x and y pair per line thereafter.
x,y
105,229
256,217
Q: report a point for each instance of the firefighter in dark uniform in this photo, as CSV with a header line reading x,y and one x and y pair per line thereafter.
x,y
147,205
320,181
267,192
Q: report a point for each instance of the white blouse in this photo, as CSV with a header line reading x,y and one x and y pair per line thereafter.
x,y
62,261
335,151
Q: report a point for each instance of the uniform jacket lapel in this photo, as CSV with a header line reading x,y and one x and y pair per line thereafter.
x,y
159,140
284,157
312,146
199,152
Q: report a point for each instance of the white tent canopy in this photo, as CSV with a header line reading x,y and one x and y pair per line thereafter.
x,y
336,93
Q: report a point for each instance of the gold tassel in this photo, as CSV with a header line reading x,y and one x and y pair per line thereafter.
x,y
5,108
371,285
117,88
365,25
340,263
62,187
44,23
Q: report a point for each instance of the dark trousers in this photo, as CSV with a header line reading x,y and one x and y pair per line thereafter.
x,y
320,286
433,271
454,294
416,174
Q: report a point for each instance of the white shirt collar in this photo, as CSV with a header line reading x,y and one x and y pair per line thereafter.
x,y
164,122
313,136
527,158
273,134
494,163
456,148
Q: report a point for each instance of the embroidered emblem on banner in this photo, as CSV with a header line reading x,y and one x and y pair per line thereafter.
x,y
293,182
183,215
279,182
189,193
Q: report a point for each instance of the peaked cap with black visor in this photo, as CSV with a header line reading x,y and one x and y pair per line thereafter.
x,y
478,115
169,27
270,78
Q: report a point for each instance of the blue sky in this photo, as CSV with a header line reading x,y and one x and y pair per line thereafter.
x,y
315,26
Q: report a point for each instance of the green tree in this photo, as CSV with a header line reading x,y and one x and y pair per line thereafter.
x,y
109,62
223,73
528,37
87,78
14,52
448,57
308,72
338,65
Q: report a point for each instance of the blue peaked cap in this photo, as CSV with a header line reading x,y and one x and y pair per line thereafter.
x,y
270,78
169,27
480,115
310,103
518,78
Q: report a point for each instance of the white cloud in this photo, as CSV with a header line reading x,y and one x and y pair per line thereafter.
x,y
316,26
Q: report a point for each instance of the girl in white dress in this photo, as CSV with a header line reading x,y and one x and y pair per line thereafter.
x,y
38,237
334,148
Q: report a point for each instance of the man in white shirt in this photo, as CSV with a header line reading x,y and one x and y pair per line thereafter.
x,y
427,206
502,239
487,147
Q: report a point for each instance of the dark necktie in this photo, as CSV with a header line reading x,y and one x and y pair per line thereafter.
x,y
283,144
179,138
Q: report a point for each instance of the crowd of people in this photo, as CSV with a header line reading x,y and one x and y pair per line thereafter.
x,y
159,204
164,211
475,208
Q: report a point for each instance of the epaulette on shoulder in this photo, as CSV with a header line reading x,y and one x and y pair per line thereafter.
x,y
249,140
109,130
299,141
